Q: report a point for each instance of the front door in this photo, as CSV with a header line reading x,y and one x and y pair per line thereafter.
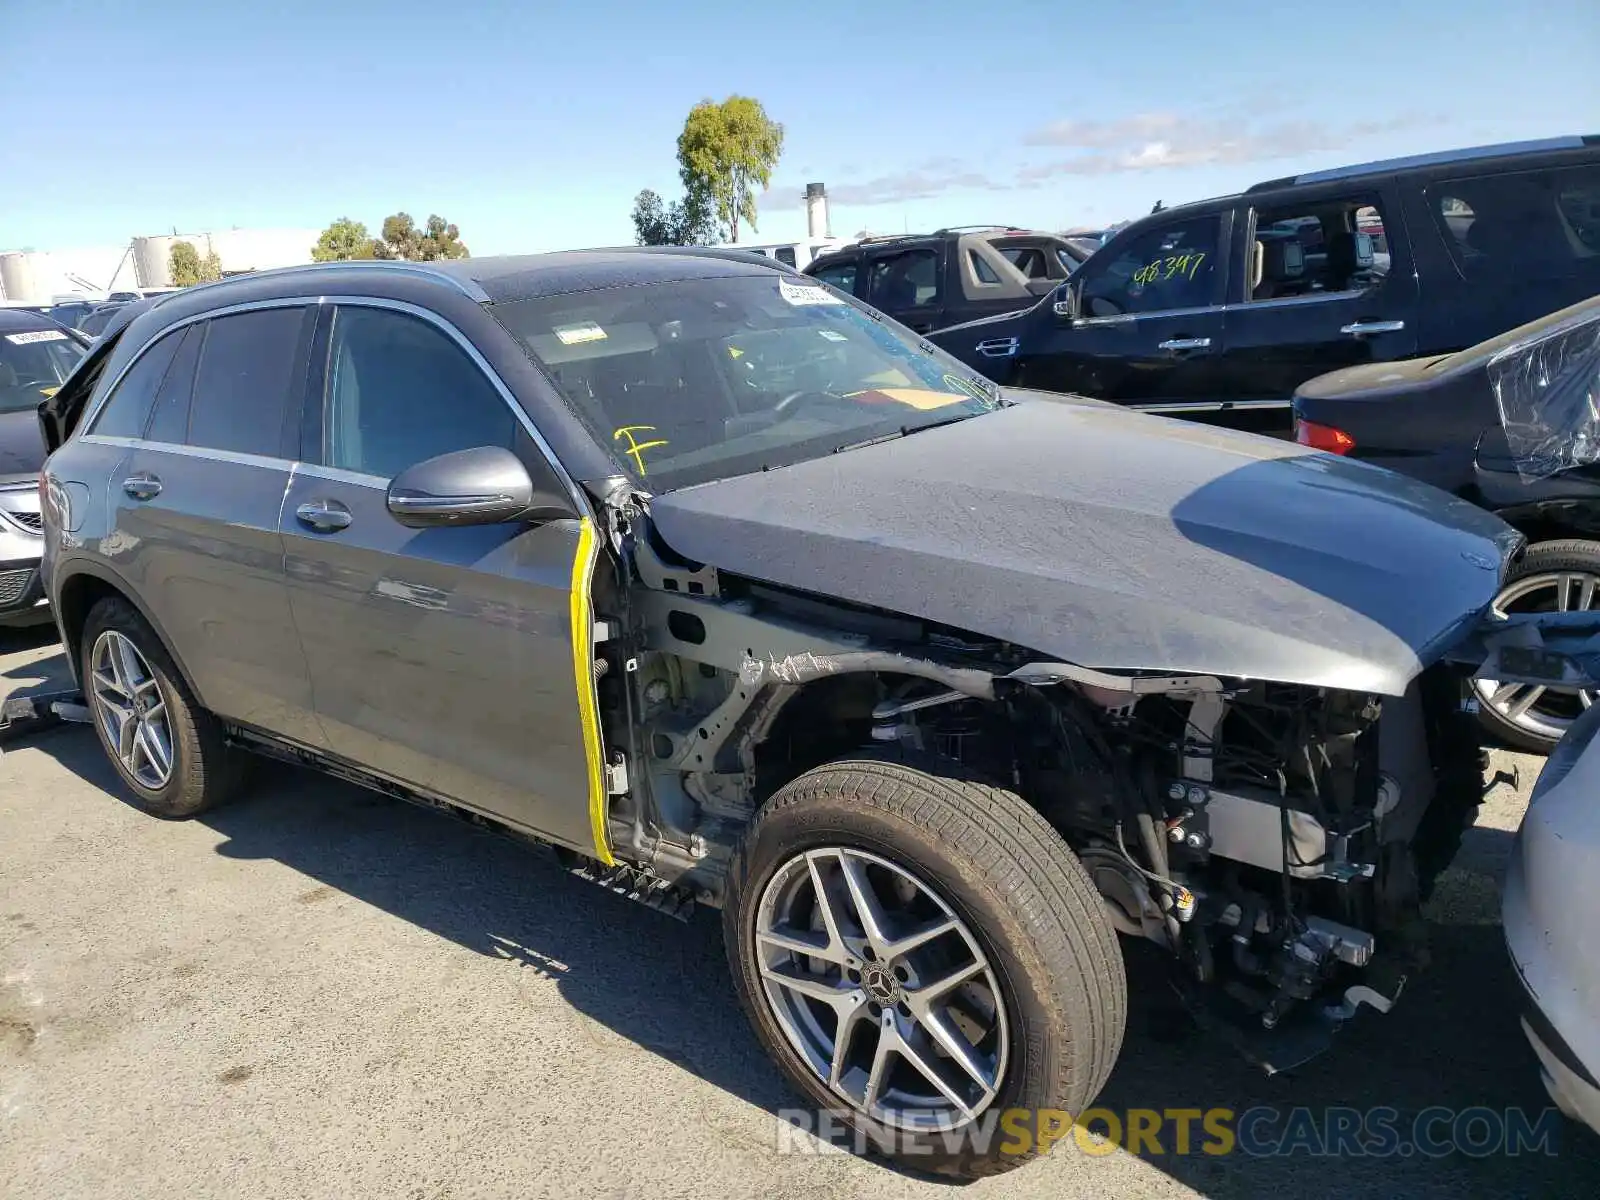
x,y
1323,283
442,658
1148,327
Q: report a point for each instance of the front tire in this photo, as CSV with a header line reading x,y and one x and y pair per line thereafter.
x,y
170,753
948,931
1551,577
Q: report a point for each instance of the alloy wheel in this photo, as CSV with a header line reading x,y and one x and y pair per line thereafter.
x,y
1540,711
131,710
882,989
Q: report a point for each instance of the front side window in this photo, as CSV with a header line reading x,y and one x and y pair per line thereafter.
x,y
124,414
1170,266
246,381
33,363
401,391
1501,227
906,280
785,255
701,379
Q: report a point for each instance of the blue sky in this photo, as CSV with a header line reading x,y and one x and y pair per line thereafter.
x,y
533,125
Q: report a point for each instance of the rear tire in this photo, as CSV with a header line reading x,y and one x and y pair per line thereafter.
x,y
1547,573
198,770
1024,910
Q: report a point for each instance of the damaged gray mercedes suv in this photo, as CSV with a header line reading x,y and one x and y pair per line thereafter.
x,y
739,595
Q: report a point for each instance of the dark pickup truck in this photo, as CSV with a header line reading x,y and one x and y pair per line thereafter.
x,y
927,281
1219,310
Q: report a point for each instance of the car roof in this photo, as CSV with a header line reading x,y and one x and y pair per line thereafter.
x,y
1439,158
1388,166
529,276
22,320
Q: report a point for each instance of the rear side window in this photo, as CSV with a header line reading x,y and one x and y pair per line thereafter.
x,y
400,391
250,368
169,422
904,280
126,412
1500,226
981,269
840,275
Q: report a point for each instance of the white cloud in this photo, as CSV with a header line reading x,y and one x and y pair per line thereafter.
x,y
1165,141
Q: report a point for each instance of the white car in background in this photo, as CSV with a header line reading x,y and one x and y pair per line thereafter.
x,y
1550,919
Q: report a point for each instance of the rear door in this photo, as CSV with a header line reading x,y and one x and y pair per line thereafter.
x,y
1148,324
196,510
1323,281
1516,246
442,658
907,284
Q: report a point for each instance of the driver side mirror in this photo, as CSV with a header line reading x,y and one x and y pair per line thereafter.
x,y
1065,304
487,485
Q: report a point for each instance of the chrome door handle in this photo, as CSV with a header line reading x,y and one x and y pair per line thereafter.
x,y
324,516
1174,345
999,347
1361,328
142,486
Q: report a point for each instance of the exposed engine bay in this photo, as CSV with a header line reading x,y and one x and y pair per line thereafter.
x,y
1276,839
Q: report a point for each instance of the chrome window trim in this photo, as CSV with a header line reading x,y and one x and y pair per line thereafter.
x,y
1126,318
340,475
574,493
1299,301
206,453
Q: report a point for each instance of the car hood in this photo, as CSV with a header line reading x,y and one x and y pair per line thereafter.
x,y
21,446
1119,541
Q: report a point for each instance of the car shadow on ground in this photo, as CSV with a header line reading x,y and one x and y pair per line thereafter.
x,y
663,985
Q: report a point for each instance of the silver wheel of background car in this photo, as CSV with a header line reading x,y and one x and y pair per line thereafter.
x,y
131,710
882,989
1541,712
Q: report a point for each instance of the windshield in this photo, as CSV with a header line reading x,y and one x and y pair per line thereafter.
x,y
32,365
701,379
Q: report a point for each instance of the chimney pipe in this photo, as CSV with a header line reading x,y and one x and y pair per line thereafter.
x,y
817,224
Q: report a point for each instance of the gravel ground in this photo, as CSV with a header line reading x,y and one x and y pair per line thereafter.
x,y
317,992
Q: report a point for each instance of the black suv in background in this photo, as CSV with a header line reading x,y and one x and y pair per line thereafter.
x,y
1219,310
929,281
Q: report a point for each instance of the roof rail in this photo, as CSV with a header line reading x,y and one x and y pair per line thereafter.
x,y
467,287
980,229
1436,158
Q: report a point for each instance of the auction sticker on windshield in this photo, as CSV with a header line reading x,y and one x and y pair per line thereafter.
x,y
37,335
799,293
576,335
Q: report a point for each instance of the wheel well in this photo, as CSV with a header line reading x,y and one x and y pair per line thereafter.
x,y
826,719
79,594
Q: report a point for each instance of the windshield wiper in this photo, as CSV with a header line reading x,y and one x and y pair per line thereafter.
x,y
903,431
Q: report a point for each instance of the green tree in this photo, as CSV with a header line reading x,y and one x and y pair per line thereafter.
x,y
344,240
183,264
211,267
686,222
438,239
725,152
